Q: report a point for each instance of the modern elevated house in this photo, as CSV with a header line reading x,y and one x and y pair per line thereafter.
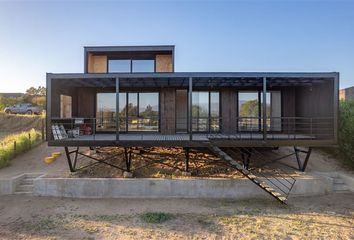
x,y
130,96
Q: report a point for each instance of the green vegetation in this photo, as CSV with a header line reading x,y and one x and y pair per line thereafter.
x,y
346,132
24,142
156,217
36,96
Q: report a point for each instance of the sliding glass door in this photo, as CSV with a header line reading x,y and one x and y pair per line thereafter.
x,y
137,112
250,110
205,111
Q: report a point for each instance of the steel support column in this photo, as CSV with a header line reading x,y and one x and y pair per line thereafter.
x,y
186,167
264,108
190,89
306,159
117,109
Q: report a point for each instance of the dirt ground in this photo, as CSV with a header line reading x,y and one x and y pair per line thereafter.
x,y
321,217
201,165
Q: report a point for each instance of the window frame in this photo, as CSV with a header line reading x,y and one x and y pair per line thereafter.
x,y
131,59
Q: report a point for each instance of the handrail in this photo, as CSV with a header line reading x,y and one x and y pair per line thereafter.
x,y
216,127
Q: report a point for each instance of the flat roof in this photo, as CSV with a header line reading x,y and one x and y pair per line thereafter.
x,y
199,75
146,48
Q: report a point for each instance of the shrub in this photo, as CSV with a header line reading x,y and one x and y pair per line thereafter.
x,y
346,131
23,144
156,217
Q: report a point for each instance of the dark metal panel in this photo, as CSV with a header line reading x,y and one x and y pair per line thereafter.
x,y
336,106
190,89
129,48
264,108
117,109
48,106
324,75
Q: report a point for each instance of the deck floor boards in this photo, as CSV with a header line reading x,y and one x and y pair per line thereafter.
x,y
184,137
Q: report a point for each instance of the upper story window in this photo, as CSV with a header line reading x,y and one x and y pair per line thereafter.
x,y
143,66
119,66
131,65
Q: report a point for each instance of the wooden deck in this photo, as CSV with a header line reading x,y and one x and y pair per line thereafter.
x,y
198,140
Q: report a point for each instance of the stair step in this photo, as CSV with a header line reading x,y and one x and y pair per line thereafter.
x,y
23,193
24,188
338,181
27,181
340,187
269,189
282,199
275,194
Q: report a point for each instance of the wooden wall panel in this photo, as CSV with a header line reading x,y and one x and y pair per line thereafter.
x,y
164,63
86,100
315,101
97,64
167,108
228,110
288,102
57,90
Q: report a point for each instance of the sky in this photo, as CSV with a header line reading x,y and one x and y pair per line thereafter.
x,y
220,36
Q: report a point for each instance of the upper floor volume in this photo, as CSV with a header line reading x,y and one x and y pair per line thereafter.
x,y
129,59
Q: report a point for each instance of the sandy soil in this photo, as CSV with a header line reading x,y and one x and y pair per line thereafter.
x,y
201,164
321,217
33,162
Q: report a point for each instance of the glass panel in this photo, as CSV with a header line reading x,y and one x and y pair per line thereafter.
x,y
119,65
248,111
106,112
214,111
200,111
122,111
143,66
148,112
132,111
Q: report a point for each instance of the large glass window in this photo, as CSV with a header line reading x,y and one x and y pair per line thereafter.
x,y
250,110
137,112
205,111
119,65
131,65
143,66
148,111
106,112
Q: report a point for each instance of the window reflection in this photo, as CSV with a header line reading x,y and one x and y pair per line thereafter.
x,y
140,114
205,111
143,66
119,65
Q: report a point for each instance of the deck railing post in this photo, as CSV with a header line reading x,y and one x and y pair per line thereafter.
x,y
117,109
264,108
190,89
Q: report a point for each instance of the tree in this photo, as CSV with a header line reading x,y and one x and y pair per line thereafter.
x,y
249,109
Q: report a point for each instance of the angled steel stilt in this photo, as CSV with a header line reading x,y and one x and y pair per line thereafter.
x,y
302,166
186,166
306,159
128,159
297,157
72,163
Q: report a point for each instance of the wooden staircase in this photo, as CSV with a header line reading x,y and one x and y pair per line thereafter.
x,y
281,197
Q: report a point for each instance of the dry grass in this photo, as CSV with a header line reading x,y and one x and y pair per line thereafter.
x,y
265,221
12,124
24,141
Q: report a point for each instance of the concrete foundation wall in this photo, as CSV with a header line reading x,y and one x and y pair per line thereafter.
x,y
166,188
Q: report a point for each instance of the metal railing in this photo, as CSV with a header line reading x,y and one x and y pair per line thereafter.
x,y
285,128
